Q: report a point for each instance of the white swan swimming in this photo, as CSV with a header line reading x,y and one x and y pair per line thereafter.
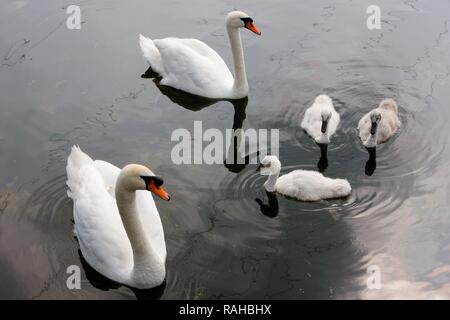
x,y
378,125
192,66
303,185
116,220
321,119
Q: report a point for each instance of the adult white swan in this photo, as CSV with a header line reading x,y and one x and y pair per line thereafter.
x,y
378,125
192,66
321,119
303,185
116,221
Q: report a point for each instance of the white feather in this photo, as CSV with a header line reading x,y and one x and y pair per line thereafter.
x,y
387,126
192,66
303,185
312,120
98,225
308,185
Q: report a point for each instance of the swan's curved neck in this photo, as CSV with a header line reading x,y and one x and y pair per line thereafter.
x,y
372,141
144,255
271,181
240,87
323,137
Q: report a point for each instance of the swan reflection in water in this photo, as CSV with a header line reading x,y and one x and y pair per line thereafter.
x,y
271,209
371,163
322,165
235,161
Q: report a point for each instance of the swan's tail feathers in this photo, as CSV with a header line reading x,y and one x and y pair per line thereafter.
x,y
76,161
151,54
389,104
343,188
323,98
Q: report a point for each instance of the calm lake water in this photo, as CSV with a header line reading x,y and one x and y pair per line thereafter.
x,y
226,238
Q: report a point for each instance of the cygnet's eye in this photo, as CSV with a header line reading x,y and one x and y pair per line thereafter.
x,y
266,165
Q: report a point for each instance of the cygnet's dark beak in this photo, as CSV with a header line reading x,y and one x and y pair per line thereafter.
x,y
324,126
373,128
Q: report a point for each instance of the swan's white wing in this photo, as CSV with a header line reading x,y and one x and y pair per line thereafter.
x,y
98,225
192,66
388,126
151,54
364,126
312,122
102,237
301,184
311,186
306,118
109,174
333,123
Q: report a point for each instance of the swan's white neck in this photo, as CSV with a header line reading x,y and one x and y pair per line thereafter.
x,y
323,137
271,181
372,140
146,260
240,87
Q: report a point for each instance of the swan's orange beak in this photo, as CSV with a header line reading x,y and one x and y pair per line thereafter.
x,y
250,26
159,191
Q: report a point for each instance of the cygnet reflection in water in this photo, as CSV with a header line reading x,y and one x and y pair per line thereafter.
x,y
271,209
371,163
322,165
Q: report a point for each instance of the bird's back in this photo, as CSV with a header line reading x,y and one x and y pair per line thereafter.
x,y
389,124
192,66
312,120
97,223
309,185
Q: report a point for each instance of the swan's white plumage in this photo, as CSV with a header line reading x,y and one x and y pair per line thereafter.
x,y
151,54
312,120
387,126
308,185
303,185
98,225
190,65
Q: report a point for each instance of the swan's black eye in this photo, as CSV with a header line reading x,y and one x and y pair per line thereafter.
x,y
247,20
158,181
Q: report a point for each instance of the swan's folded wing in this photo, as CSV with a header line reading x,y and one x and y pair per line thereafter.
x,y
365,120
307,120
312,122
192,66
364,126
109,174
102,237
151,54
334,122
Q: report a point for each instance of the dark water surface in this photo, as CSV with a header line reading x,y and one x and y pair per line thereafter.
x,y
226,238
